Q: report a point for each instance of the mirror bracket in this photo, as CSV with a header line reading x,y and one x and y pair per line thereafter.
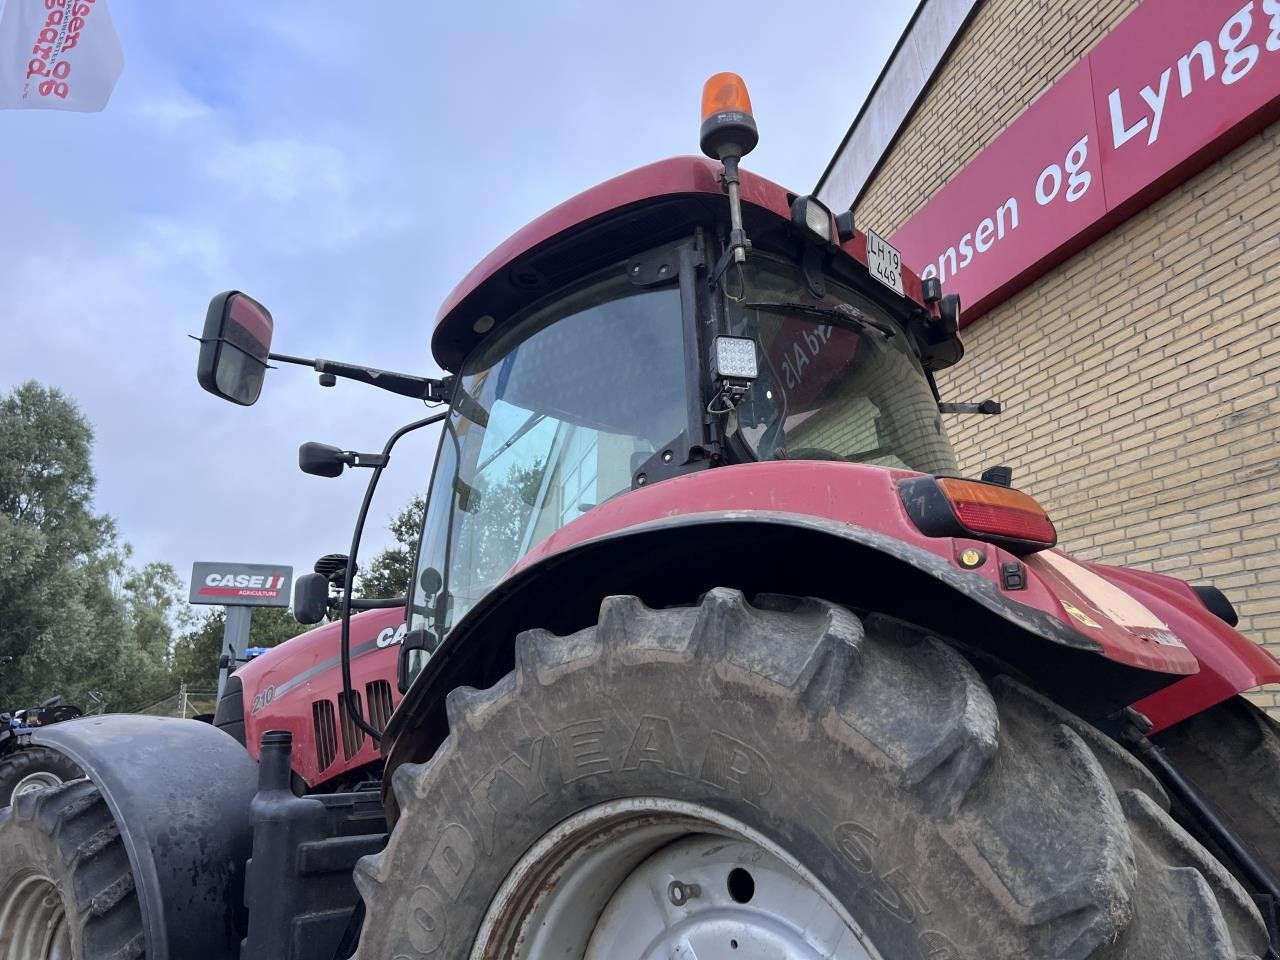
x,y
417,646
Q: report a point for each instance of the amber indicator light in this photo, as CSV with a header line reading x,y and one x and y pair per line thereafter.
x,y
996,511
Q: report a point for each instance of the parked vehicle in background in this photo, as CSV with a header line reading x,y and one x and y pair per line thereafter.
x,y
25,768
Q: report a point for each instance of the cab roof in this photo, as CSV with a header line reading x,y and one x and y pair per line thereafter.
x,y
629,213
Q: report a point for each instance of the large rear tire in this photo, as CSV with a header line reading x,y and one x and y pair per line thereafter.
x,y
1231,752
66,887
882,799
29,769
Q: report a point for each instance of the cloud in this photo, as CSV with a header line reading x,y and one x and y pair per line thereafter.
x,y
172,110
282,171
346,166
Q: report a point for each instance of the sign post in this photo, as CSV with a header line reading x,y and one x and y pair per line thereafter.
x,y
238,587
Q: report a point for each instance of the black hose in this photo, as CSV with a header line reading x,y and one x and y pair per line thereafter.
x,y
348,695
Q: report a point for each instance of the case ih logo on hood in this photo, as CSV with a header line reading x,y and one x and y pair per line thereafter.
x,y
243,585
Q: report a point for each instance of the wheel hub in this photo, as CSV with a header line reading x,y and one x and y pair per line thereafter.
x,y
33,920
653,879
33,782
731,899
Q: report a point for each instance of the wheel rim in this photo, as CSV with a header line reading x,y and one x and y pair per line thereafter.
x,y
33,782
648,879
33,920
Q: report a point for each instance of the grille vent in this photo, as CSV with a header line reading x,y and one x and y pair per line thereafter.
x,y
379,696
352,736
326,733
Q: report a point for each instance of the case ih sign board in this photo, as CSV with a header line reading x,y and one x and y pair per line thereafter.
x,y
1174,86
241,584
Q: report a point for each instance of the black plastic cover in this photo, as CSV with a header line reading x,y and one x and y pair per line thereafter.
x,y
1216,602
179,791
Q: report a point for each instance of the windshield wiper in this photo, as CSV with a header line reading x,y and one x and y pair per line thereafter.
x,y
529,424
840,313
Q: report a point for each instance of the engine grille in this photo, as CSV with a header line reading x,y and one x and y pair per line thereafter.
x,y
352,736
379,697
326,733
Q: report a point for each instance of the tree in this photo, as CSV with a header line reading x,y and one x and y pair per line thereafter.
x,y
61,616
196,652
501,509
155,606
388,575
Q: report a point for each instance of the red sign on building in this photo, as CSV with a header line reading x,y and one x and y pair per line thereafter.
x,y
1175,85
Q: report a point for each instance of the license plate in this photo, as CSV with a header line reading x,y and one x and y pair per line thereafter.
x,y
884,262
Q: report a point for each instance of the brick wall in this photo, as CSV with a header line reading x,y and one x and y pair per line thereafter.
x,y
1141,378
1011,53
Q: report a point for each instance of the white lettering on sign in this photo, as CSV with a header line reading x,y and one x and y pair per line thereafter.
x,y
244,581
1004,220
1238,58
1131,116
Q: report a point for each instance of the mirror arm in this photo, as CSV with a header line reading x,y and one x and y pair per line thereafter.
x,y
404,384
366,603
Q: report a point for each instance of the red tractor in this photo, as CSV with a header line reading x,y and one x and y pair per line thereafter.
x,y
709,652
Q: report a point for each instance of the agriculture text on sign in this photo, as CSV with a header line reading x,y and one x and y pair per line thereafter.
x,y
241,584
1176,84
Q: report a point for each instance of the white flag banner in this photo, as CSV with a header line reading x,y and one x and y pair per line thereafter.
x,y
58,54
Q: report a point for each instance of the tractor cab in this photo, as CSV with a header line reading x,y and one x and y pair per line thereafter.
x,y
641,370
684,316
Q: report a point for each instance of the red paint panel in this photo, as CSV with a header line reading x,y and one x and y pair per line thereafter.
x,y
1230,663
672,177
277,684
1134,118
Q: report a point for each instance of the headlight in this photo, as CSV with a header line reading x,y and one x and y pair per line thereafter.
x,y
812,218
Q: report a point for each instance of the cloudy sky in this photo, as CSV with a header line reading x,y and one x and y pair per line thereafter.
x,y
346,164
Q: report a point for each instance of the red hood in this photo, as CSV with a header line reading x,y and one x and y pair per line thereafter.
x,y
283,687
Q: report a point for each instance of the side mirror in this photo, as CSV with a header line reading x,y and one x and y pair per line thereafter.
x,y
234,348
321,459
310,598
415,649
430,581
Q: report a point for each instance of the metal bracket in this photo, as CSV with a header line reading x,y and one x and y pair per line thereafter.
x,y
987,407
811,266
656,267
726,258
675,458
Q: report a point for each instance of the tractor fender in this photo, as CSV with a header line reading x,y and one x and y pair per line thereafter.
x,y
674,560
179,791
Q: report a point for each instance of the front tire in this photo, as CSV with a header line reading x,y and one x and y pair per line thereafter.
x,y
29,769
66,887
879,792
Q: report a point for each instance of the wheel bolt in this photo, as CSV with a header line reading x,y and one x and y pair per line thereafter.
x,y
681,893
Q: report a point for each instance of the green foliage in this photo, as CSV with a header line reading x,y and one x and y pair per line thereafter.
x,y
196,652
388,575
501,509
61,568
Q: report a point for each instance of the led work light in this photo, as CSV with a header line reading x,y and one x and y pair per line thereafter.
x,y
735,358
734,369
